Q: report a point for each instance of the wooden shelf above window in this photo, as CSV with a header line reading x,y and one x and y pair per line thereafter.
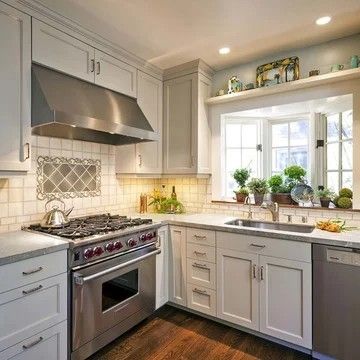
x,y
318,80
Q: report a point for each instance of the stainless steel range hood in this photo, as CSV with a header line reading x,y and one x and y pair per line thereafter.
x,y
65,107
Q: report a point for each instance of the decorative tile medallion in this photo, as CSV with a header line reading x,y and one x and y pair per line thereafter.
x,y
67,177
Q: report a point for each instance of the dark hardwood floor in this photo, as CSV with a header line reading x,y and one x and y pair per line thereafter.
x,y
175,334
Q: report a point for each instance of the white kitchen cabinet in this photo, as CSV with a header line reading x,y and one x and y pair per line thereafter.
x,y
144,158
238,288
201,299
201,273
114,74
50,344
177,265
162,278
15,89
187,134
285,300
62,52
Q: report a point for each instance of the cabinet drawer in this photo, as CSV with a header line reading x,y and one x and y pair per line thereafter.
x,y
201,299
32,308
199,236
286,249
200,252
50,344
27,271
201,273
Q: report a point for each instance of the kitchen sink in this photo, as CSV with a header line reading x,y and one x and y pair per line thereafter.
x,y
266,225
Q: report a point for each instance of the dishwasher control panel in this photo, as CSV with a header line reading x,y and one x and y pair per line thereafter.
x,y
343,257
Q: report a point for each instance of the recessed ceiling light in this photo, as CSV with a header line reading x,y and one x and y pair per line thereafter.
x,y
224,50
323,20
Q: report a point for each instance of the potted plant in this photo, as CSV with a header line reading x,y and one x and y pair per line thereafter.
x,y
294,174
325,196
280,191
241,176
259,188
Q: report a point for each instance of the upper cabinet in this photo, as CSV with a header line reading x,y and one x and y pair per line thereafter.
x,y
15,89
144,158
64,53
187,134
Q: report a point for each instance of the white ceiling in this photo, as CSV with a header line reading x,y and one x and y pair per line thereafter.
x,y
168,32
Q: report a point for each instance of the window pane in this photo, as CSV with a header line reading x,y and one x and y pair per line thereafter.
x,y
347,121
230,184
233,132
347,152
279,159
233,159
280,134
249,135
249,160
299,156
347,180
299,133
333,156
333,181
333,128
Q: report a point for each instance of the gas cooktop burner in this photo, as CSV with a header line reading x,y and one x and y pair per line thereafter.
x,y
92,225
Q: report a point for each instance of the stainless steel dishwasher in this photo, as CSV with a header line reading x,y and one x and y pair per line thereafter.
x,y
336,302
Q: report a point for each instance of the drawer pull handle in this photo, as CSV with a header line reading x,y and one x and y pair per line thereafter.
x,y
334,258
254,271
201,266
203,237
27,292
199,291
32,271
261,273
28,346
258,246
199,253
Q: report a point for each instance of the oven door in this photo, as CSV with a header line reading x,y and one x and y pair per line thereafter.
x,y
106,293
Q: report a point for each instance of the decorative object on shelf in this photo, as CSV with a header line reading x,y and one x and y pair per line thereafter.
x,y
344,199
221,92
277,72
165,205
143,203
241,176
354,62
325,196
303,194
249,86
234,85
337,67
280,189
314,72
335,225
62,177
258,187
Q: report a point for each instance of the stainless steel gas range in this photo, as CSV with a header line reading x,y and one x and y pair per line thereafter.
x,y
112,277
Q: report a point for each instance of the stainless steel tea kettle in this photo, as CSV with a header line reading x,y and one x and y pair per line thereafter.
x,y
55,218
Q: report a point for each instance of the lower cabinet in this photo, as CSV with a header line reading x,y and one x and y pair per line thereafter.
x,y
50,344
201,299
177,265
162,273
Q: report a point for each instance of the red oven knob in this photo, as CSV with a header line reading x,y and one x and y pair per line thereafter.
x,y
131,242
98,250
149,236
117,245
88,253
143,237
109,247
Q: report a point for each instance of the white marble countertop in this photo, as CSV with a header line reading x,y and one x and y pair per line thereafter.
x,y
217,222
20,245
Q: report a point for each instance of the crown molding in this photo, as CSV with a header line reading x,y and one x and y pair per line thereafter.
x,y
194,66
37,10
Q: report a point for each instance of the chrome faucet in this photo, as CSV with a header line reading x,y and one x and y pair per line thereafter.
x,y
273,207
248,202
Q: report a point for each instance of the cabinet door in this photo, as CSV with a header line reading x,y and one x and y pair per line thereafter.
x,y
114,74
125,157
285,300
177,265
162,280
238,288
62,52
50,344
149,98
15,89
180,112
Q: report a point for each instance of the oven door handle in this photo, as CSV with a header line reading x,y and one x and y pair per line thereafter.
x,y
79,279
